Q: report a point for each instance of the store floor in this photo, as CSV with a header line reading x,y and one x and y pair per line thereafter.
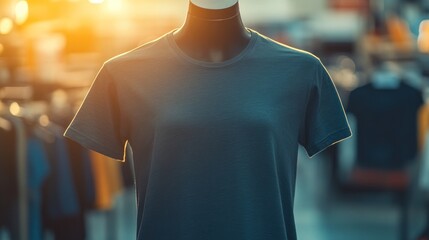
x,y
322,215
319,214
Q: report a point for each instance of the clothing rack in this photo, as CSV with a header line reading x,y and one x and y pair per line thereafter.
x,y
21,182
21,93
21,163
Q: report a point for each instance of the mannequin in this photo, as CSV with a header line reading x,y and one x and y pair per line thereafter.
x,y
217,112
213,31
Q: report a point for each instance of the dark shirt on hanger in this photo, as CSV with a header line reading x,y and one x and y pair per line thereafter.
x,y
386,125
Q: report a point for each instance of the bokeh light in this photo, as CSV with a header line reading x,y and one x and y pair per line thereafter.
x,y
21,11
6,25
15,109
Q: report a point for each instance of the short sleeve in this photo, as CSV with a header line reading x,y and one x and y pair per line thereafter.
x,y
99,124
325,122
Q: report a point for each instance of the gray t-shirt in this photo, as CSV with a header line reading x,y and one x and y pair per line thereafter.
x,y
214,144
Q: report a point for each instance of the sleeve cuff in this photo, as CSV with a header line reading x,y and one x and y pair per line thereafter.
x,y
92,144
331,139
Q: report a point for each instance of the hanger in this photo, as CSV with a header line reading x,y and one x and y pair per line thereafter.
x,y
386,76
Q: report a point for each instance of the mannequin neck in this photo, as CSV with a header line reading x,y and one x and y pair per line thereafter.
x,y
209,32
214,4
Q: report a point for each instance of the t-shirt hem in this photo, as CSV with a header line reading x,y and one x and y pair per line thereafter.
x,y
332,138
92,144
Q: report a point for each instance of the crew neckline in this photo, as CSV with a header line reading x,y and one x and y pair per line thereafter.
x,y
185,57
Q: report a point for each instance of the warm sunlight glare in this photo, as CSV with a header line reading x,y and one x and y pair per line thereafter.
x,y
96,1
21,11
115,6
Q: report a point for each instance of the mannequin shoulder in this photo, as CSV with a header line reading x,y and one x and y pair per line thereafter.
x,y
147,50
282,50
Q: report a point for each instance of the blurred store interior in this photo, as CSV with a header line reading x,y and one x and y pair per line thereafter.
x,y
373,186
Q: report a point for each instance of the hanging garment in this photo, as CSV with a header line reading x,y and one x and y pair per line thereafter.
x,y
107,179
61,209
38,170
19,210
80,162
60,198
424,146
347,152
8,168
424,169
88,172
214,144
387,125
9,180
82,172
73,226
423,125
